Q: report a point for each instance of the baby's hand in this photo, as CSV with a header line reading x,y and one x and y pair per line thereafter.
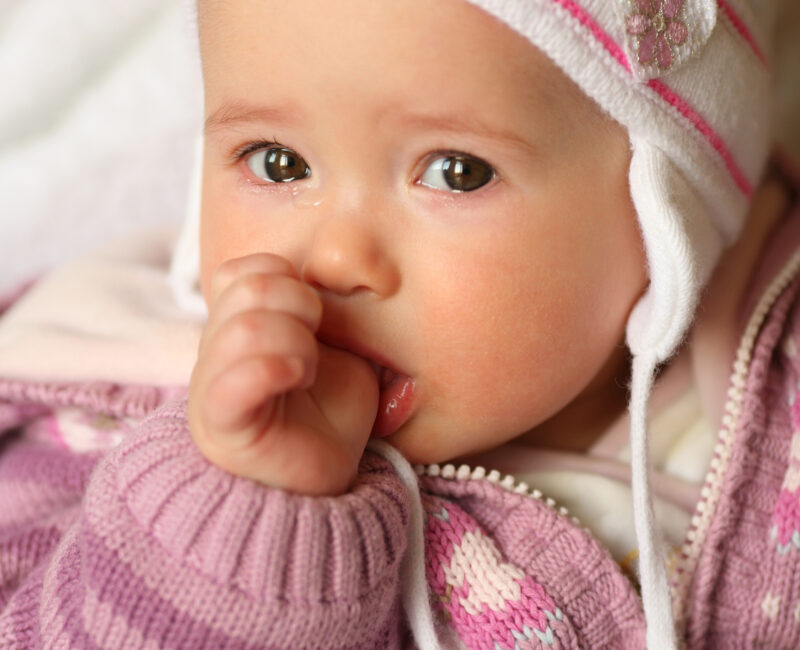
x,y
267,401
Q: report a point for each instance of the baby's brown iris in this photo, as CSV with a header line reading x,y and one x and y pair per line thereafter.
x,y
282,165
465,174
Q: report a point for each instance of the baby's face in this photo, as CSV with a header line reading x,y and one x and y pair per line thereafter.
x,y
461,208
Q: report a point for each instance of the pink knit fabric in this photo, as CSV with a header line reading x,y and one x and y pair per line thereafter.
x,y
746,588
490,602
168,549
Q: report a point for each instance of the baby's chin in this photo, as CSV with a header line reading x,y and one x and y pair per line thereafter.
x,y
423,443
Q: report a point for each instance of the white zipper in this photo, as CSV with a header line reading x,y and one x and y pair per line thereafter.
x,y
709,496
507,482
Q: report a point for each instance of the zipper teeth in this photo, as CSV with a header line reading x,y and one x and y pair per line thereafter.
x,y
507,482
709,496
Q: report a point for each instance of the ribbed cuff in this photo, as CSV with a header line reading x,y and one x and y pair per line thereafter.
x,y
270,543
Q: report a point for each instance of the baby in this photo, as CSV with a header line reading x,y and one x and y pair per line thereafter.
x,y
370,208
468,232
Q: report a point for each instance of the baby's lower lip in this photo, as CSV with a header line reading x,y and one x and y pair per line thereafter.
x,y
395,403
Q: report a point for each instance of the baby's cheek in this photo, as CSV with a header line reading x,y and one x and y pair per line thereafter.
x,y
486,356
511,354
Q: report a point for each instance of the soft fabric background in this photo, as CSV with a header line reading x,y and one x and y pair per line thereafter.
x,y
99,106
100,102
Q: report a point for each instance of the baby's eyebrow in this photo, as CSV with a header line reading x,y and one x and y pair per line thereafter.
x,y
238,112
458,124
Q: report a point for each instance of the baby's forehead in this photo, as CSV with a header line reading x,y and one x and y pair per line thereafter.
x,y
417,49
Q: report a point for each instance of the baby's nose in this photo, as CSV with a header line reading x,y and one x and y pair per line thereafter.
x,y
347,256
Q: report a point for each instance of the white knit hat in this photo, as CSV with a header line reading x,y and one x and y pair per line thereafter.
x,y
690,81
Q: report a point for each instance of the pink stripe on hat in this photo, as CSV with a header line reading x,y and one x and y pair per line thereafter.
x,y
740,27
665,92
703,127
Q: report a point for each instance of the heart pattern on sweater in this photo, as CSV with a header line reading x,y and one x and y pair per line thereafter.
x,y
490,603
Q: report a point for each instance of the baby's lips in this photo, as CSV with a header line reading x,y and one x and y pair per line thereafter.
x,y
395,404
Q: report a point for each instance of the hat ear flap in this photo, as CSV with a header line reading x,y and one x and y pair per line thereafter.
x,y
681,245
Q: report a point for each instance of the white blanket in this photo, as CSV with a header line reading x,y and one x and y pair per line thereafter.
x,y
107,316
100,102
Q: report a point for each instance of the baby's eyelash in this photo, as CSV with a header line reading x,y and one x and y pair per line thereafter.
x,y
250,147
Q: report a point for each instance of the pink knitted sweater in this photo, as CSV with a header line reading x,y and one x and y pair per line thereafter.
x,y
150,546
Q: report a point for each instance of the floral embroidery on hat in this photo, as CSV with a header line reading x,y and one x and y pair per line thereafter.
x,y
661,35
658,25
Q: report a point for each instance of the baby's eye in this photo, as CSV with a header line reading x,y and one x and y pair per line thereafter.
x,y
278,165
457,173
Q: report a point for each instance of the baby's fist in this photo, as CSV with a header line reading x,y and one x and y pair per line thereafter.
x,y
266,399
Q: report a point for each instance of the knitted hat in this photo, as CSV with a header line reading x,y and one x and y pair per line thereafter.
x,y
690,81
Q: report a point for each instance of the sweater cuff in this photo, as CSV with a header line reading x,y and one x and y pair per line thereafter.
x,y
267,542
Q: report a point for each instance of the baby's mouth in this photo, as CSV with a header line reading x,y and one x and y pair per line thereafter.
x,y
395,403
397,391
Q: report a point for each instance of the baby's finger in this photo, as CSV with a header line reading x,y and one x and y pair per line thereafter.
x,y
258,332
240,401
346,390
269,292
230,270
